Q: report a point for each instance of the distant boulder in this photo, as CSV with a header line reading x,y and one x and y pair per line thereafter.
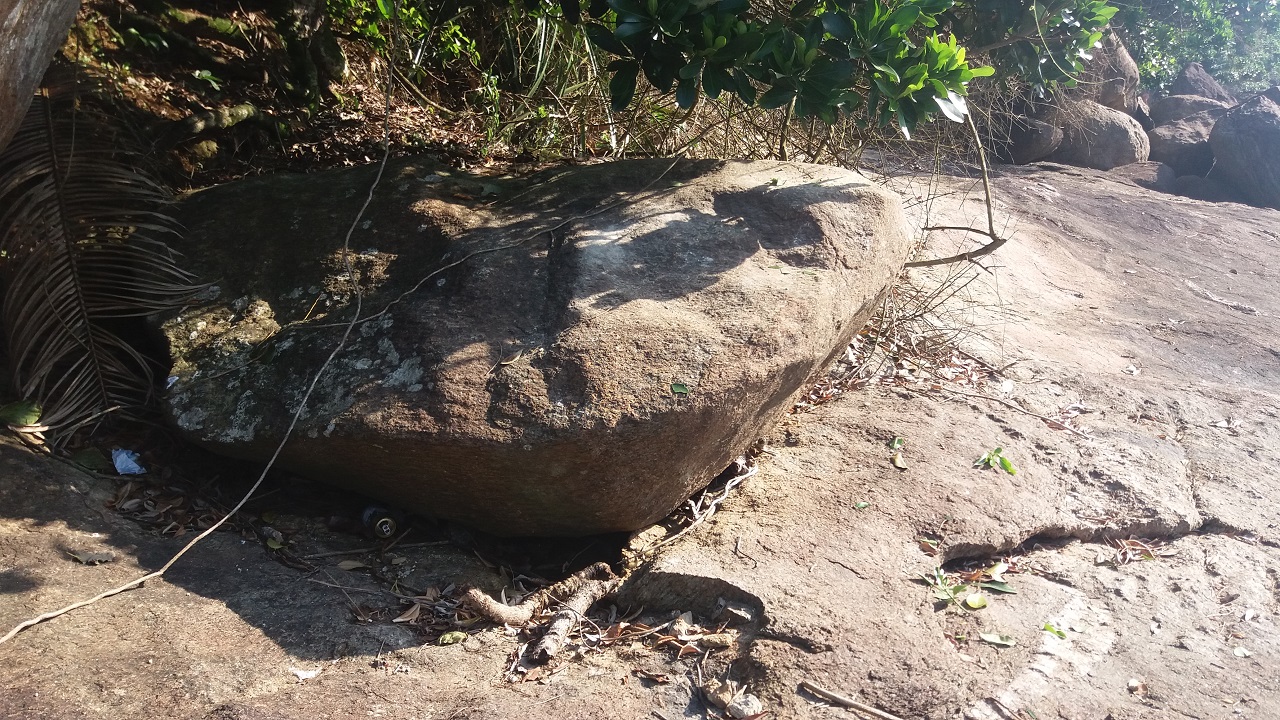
x,y
1116,75
1029,140
1246,148
1195,80
1142,113
1098,137
1175,107
1184,145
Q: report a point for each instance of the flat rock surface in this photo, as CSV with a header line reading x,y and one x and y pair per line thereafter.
x,y
1144,321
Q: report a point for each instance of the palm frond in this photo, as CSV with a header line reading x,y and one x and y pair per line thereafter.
x,y
79,249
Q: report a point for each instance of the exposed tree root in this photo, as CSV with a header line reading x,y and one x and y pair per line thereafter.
x,y
579,591
217,119
574,609
498,612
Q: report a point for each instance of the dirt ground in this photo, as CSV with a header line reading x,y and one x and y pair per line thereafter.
x,y
1130,360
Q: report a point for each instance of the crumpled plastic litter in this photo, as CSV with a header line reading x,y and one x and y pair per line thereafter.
x,y
126,462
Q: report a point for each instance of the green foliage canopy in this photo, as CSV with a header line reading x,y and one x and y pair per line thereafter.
x,y
878,61
825,57
1237,41
1044,42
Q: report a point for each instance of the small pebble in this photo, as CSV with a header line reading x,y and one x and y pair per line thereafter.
x,y
745,705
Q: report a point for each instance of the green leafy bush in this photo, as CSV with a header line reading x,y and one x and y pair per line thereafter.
x,y
827,57
1043,43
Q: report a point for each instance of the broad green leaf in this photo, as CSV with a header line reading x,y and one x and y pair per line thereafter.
x,y
92,459
1048,627
975,601
23,412
679,389
861,505
999,586
274,544
622,88
452,638
687,93
998,640
776,97
951,111
839,25
604,39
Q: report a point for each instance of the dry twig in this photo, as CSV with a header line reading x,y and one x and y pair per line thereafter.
x,y
847,702
1056,424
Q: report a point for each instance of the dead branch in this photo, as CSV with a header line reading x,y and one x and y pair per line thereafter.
x,y
846,702
996,240
575,607
498,612
1056,424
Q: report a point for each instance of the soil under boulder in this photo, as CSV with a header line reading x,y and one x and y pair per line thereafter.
x,y
1246,146
1095,136
635,332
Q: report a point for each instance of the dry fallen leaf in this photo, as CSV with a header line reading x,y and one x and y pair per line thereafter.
x,y
92,558
351,565
409,615
659,678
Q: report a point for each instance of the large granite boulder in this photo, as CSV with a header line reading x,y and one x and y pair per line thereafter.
x,y
1175,107
596,350
1195,80
1246,148
31,31
1097,137
1184,144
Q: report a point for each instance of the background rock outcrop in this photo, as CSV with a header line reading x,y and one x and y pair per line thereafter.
x,y
1195,80
1098,137
620,351
1029,140
1246,148
1175,107
1114,74
1184,144
30,33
